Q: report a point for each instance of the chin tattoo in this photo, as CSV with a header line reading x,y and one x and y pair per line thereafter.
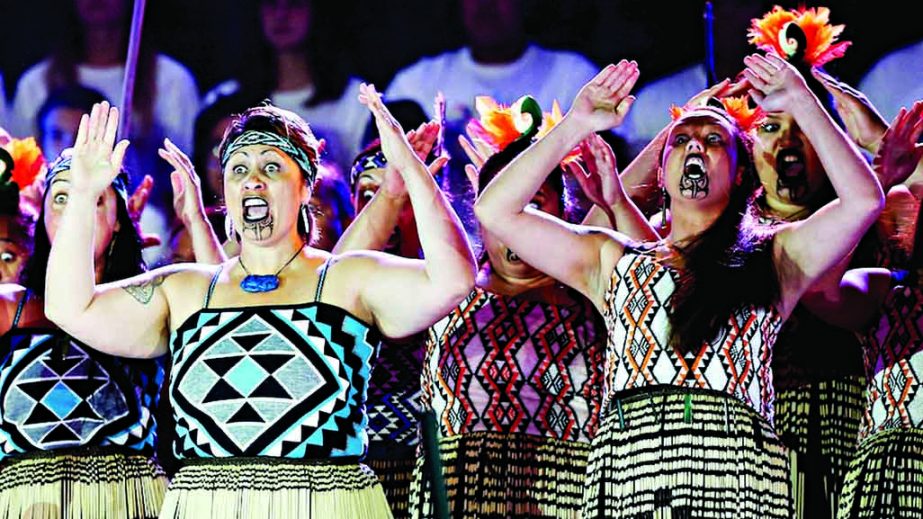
x,y
693,187
259,230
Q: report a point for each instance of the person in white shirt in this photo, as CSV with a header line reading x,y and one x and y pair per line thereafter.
x,y
895,80
498,61
304,74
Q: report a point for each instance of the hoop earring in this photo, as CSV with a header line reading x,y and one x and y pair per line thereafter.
x,y
229,228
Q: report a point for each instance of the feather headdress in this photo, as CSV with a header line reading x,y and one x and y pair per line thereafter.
x,y
500,125
799,35
737,108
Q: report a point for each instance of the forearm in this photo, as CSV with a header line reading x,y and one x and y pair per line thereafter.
x,y
853,180
70,279
373,226
448,259
514,187
205,245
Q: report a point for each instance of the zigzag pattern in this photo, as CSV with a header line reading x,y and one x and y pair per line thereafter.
x,y
893,358
637,313
284,382
516,365
56,393
394,393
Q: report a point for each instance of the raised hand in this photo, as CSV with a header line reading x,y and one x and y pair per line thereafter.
x,y
394,143
604,102
777,85
97,159
187,187
863,122
136,204
423,138
724,88
899,154
599,180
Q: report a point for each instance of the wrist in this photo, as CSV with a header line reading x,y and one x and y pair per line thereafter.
x,y
574,128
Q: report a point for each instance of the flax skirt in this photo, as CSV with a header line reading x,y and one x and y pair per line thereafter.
x,y
92,484
675,453
494,475
885,479
277,488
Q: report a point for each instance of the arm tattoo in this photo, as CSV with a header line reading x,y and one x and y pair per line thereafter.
x,y
144,292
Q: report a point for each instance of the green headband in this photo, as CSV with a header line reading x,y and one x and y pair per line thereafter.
x,y
252,137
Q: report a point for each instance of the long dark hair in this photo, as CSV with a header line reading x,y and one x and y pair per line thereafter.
x,y
726,267
123,261
288,125
70,51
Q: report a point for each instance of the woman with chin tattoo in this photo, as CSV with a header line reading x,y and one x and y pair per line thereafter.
x,y
687,417
513,374
271,350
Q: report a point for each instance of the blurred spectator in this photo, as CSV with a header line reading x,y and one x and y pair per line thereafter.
x,y
332,207
895,81
59,117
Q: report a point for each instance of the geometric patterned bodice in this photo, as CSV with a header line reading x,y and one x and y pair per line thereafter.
x,y
57,393
893,355
393,403
517,365
637,313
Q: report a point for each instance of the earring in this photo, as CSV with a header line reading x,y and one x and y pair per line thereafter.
x,y
306,220
229,228
664,201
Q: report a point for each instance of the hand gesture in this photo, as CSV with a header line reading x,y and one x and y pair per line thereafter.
x,y
863,122
604,102
187,187
724,88
136,204
96,159
422,139
600,180
777,85
394,143
899,154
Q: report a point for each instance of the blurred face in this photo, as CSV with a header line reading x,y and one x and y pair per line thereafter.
x,y
404,240
327,218
700,160
546,200
285,23
213,173
13,254
59,130
787,164
106,213
263,192
101,13
491,23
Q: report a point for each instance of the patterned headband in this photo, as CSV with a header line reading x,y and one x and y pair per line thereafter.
x,y
252,137
119,184
375,160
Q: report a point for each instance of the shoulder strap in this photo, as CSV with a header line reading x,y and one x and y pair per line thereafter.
x,y
321,279
211,287
20,307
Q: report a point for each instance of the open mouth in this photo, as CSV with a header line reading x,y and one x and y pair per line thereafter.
x,y
256,209
790,165
694,182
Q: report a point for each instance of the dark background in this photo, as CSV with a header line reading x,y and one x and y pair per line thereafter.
x,y
376,38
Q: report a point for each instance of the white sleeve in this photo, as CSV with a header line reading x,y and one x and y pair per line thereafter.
x,y
31,92
177,102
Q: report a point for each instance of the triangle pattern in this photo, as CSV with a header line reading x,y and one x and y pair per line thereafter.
x,y
221,391
250,341
60,434
246,413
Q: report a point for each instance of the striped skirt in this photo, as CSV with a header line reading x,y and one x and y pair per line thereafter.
x,y
820,423
92,484
395,476
278,488
670,452
494,475
885,479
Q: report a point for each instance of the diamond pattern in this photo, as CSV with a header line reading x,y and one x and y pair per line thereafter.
x,y
893,358
516,365
271,382
57,393
637,314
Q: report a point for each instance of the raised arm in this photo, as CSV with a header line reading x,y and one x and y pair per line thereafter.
x,y
406,296
188,205
600,180
805,250
106,318
375,224
579,257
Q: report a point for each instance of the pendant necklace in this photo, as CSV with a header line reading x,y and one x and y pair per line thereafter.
x,y
258,283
